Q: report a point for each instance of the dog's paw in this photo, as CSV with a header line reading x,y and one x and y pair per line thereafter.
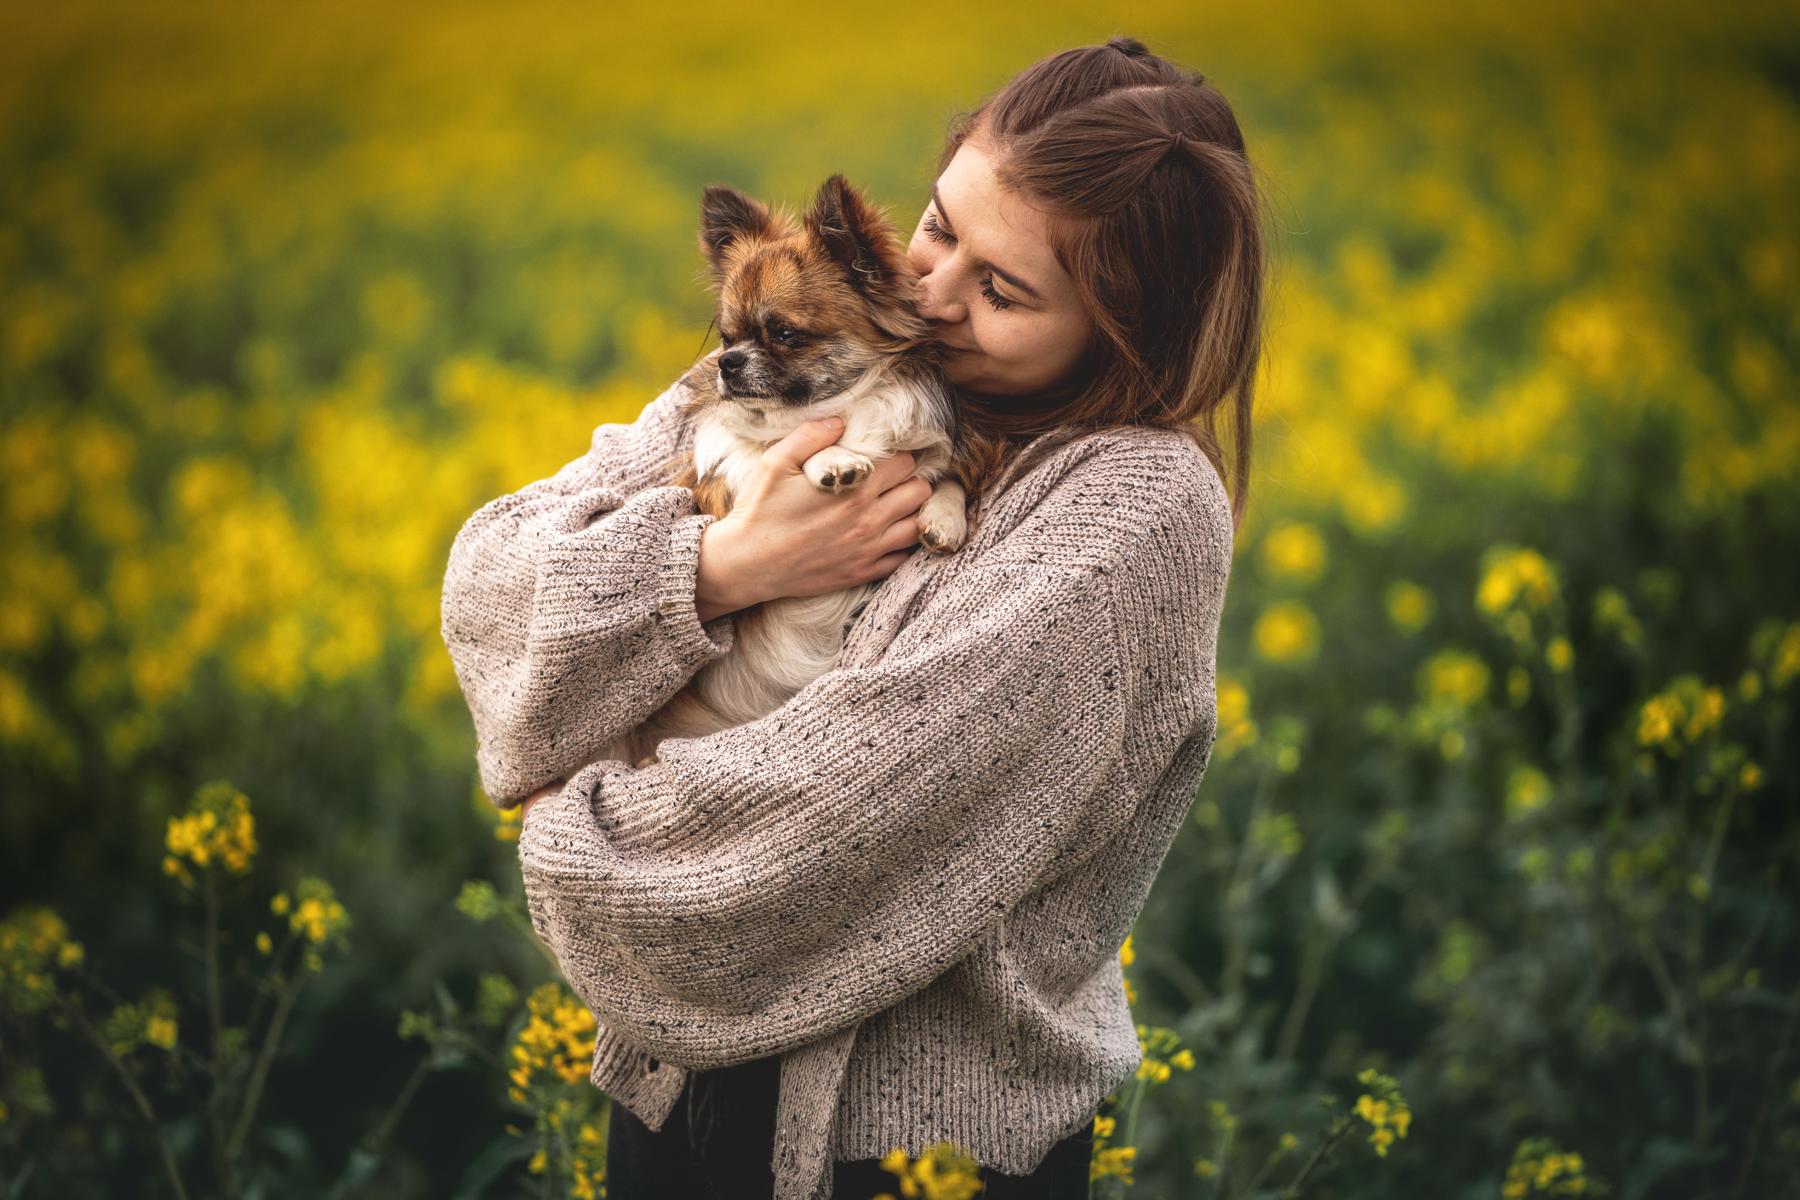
x,y
943,525
835,469
647,760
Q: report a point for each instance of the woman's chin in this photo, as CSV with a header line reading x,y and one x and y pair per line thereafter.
x,y
957,368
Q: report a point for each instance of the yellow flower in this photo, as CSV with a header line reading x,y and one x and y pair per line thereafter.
x,y
1787,657
217,827
1286,632
1683,712
1455,677
1527,790
264,944
1514,575
1294,550
1518,685
1559,654
160,1031
1114,1161
1409,606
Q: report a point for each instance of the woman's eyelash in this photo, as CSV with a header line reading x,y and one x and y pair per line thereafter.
x,y
936,233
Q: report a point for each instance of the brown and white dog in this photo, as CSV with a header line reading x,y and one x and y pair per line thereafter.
x,y
815,319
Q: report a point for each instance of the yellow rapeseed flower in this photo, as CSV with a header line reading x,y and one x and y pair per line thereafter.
x,y
160,1031
1559,654
1527,790
1514,575
1454,676
1409,606
1286,632
1294,551
1114,1162
1682,713
217,828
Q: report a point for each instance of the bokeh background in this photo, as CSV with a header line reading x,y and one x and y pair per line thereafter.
x,y
1504,803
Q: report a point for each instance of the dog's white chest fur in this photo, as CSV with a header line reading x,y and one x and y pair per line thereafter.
x,y
783,644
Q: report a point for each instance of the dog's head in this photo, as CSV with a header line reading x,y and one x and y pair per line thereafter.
x,y
806,307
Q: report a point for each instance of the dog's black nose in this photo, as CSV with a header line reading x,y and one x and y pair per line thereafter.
x,y
731,360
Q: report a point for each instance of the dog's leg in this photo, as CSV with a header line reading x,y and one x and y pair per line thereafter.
x,y
943,518
837,468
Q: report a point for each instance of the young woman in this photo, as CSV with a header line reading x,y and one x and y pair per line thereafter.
x,y
890,913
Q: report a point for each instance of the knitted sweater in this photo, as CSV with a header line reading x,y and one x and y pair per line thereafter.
x,y
911,880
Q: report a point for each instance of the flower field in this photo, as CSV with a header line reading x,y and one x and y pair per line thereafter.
x,y
1490,888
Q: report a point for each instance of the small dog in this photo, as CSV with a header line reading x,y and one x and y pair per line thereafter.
x,y
816,319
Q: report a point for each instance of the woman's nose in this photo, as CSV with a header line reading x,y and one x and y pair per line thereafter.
x,y
932,307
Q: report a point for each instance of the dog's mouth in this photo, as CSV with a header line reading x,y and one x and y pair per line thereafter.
x,y
799,392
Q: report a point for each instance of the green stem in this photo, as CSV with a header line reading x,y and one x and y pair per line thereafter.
x,y
137,1095
1332,1135
215,1015
265,1056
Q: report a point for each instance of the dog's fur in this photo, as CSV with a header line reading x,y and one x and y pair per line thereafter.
x,y
838,282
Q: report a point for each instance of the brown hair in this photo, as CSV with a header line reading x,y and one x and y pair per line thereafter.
x,y
1156,215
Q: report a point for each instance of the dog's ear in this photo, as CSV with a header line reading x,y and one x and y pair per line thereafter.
x,y
727,216
856,235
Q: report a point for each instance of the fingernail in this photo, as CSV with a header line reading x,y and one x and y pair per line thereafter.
x,y
835,422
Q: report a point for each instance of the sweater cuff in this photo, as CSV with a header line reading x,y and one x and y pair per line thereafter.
x,y
675,599
556,837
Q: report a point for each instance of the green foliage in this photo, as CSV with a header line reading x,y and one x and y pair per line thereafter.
x,y
1502,810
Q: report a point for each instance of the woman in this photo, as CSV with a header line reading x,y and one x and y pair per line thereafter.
x,y
888,914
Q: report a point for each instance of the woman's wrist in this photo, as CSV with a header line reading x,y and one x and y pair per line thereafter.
x,y
722,578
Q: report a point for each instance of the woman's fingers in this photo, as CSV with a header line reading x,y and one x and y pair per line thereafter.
x,y
891,471
902,501
887,564
806,440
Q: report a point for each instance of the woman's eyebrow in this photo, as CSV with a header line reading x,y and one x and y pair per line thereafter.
x,y
996,269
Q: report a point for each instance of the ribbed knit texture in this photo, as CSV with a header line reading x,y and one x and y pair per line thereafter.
x,y
913,878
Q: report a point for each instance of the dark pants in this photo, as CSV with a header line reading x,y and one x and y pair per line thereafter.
x,y
718,1141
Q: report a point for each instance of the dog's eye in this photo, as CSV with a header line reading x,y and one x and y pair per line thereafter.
x,y
786,333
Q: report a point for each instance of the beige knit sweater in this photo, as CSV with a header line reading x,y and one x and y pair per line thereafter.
x,y
912,880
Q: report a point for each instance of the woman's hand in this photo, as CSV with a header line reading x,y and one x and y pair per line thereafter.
x,y
785,537
547,790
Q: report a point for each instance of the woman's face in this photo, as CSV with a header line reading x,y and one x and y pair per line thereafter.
x,y
997,299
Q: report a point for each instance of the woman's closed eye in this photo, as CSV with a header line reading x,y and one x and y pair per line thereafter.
x,y
937,233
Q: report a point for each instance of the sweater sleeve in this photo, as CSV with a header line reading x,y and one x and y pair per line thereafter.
x,y
569,610
763,886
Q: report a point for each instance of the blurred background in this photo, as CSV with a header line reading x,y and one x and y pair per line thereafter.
x,y
1489,889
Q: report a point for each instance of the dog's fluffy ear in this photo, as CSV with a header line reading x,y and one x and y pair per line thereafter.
x,y
727,216
856,235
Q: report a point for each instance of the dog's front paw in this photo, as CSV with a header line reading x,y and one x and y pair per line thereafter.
x,y
835,469
943,521
647,760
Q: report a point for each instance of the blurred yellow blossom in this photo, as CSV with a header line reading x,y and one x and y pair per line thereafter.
x,y
1294,551
1286,632
1409,606
217,828
1513,575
